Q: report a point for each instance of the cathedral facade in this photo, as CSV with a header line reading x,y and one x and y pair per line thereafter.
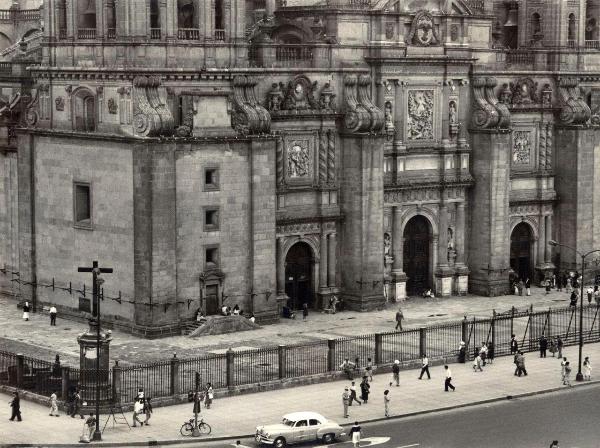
x,y
277,153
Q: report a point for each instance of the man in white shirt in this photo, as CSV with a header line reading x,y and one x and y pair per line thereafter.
x,y
138,409
448,382
425,367
53,316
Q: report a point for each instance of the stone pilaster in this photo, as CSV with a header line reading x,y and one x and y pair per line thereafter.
x,y
331,260
398,275
461,286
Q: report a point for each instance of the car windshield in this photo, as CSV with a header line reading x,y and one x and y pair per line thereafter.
x,y
288,422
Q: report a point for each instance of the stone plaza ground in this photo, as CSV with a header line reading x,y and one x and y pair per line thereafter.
x,y
18,336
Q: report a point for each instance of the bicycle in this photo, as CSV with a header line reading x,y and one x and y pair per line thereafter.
x,y
188,427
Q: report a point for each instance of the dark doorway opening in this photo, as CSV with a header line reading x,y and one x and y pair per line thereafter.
x,y
298,276
212,300
417,239
520,250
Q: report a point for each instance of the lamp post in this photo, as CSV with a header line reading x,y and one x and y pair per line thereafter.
x,y
554,243
97,281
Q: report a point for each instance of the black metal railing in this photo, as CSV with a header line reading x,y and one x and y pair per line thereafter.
x,y
86,33
155,33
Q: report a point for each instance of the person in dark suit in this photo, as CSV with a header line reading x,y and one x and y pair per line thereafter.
x,y
15,404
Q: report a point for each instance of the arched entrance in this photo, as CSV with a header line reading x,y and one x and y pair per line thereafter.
x,y
298,275
417,242
521,245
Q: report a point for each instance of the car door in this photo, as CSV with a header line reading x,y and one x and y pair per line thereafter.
x,y
312,429
301,431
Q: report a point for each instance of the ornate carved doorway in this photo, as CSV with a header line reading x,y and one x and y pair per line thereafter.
x,y
417,241
298,276
521,242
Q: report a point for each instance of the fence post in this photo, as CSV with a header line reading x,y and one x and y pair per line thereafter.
x,y
331,367
549,324
281,352
64,371
20,370
493,336
465,330
422,341
378,348
230,366
512,321
117,374
175,386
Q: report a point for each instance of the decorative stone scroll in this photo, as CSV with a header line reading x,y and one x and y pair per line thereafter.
x,y
151,116
574,109
248,117
361,115
488,112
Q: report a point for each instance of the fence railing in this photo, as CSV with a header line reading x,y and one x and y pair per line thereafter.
x,y
188,33
240,368
155,33
19,14
86,33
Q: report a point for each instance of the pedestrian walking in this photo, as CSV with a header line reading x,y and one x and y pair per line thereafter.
x,y
462,352
521,364
140,394
568,283
483,353
355,434
396,373
543,346
138,409
369,369
357,365
76,405
88,429
477,364
209,395
365,389
386,402
559,346
399,318
548,285
53,316
448,380
528,286
15,405
597,296
568,374
353,394
559,282
147,410
563,363
333,301
54,405
516,363
587,369
552,348
304,311
491,353
554,444
346,401
26,311
348,367
590,294
425,367
520,286
574,297
514,345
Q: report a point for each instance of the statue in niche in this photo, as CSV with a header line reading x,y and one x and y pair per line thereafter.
x,y
389,30
389,118
387,252
275,97
451,249
298,160
454,33
506,95
547,96
452,112
60,103
327,98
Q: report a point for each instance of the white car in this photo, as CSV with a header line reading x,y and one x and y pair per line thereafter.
x,y
299,427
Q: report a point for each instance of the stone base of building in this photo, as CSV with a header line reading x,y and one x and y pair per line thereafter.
x,y
323,297
363,301
544,271
444,277
398,286
461,280
492,285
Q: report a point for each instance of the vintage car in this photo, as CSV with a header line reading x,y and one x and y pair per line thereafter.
x,y
299,427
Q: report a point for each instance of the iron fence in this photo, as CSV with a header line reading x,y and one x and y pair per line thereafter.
x,y
399,345
357,349
306,359
154,378
256,366
212,369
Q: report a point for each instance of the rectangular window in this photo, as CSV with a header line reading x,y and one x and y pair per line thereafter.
x,y
211,258
82,205
211,219
211,179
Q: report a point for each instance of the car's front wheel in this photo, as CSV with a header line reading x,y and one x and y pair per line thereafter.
x,y
328,438
279,442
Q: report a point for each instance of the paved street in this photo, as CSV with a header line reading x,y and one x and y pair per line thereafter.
x,y
238,416
571,417
16,335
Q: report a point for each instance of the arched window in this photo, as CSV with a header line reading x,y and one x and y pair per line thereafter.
x,y
84,110
187,21
86,19
572,30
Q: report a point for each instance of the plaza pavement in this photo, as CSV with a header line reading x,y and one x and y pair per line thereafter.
x,y
37,338
238,415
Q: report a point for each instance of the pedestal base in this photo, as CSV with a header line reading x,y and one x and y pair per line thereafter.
x,y
398,286
461,280
443,281
544,271
323,298
492,284
363,301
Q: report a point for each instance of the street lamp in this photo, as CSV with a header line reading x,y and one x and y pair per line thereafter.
x,y
554,243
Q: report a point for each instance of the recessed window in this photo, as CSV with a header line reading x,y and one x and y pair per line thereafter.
x,y
211,258
82,204
211,179
211,219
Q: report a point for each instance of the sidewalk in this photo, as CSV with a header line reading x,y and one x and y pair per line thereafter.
x,y
237,416
17,335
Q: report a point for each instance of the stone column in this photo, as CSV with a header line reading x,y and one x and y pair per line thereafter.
x,y
541,255
270,7
324,265
398,121
331,264
459,233
443,272
398,275
101,24
280,267
168,18
548,252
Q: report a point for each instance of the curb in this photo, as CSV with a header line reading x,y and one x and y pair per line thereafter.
x,y
245,436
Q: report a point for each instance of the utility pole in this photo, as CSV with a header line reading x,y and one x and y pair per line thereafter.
x,y
196,431
97,281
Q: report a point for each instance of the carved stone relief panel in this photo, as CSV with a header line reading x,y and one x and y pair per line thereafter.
x,y
420,115
522,147
298,158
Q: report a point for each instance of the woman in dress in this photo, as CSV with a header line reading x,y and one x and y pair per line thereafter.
x,y
209,395
26,311
355,434
365,389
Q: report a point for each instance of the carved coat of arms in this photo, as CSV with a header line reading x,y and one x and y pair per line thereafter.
x,y
423,31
